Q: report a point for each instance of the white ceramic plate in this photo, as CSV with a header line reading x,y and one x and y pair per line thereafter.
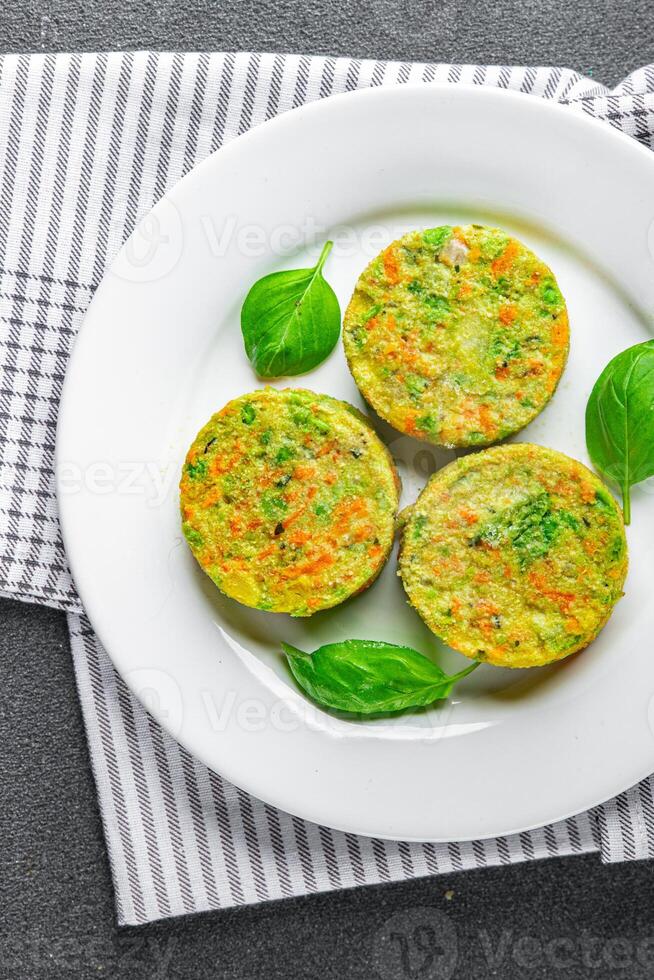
x,y
160,350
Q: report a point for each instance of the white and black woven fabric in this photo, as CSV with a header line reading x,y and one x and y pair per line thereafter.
x,y
87,144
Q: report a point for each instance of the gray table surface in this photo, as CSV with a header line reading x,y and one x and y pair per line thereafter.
x,y
566,917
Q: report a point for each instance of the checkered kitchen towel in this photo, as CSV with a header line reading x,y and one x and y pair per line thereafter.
x,y
87,144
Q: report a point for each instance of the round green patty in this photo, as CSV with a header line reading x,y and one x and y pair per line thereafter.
x,y
457,335
515,555
288,500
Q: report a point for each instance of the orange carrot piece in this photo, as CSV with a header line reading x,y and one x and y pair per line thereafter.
x,y
560,332
327,448
561,599
504,261
391,268
309,567
486,419
507,313
304,472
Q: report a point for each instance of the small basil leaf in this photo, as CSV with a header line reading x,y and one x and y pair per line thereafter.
x,y
369,677
620,420
290,321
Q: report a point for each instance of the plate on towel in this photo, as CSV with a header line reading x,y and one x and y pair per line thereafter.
x,y
160,350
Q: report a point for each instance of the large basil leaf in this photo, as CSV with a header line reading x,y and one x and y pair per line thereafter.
x,y
290,321
369,677
620,420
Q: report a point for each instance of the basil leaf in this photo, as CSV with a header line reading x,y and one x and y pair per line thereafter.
x,y
290,321
369,677
620,420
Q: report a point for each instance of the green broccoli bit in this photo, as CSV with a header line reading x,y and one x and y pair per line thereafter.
x,y
419,524
272,505
616,549
415,384
198,470
568,519
550,294
437,236
322,426
603,500
248,413
193,537
301,416
531,526
502,286
284,453
427,423
438,304
503,347
373,311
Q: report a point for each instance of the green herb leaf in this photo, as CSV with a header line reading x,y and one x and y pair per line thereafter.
x,y
620,420
290,321
369,677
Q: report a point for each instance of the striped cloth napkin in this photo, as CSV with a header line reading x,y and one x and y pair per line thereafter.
x,y
87,144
